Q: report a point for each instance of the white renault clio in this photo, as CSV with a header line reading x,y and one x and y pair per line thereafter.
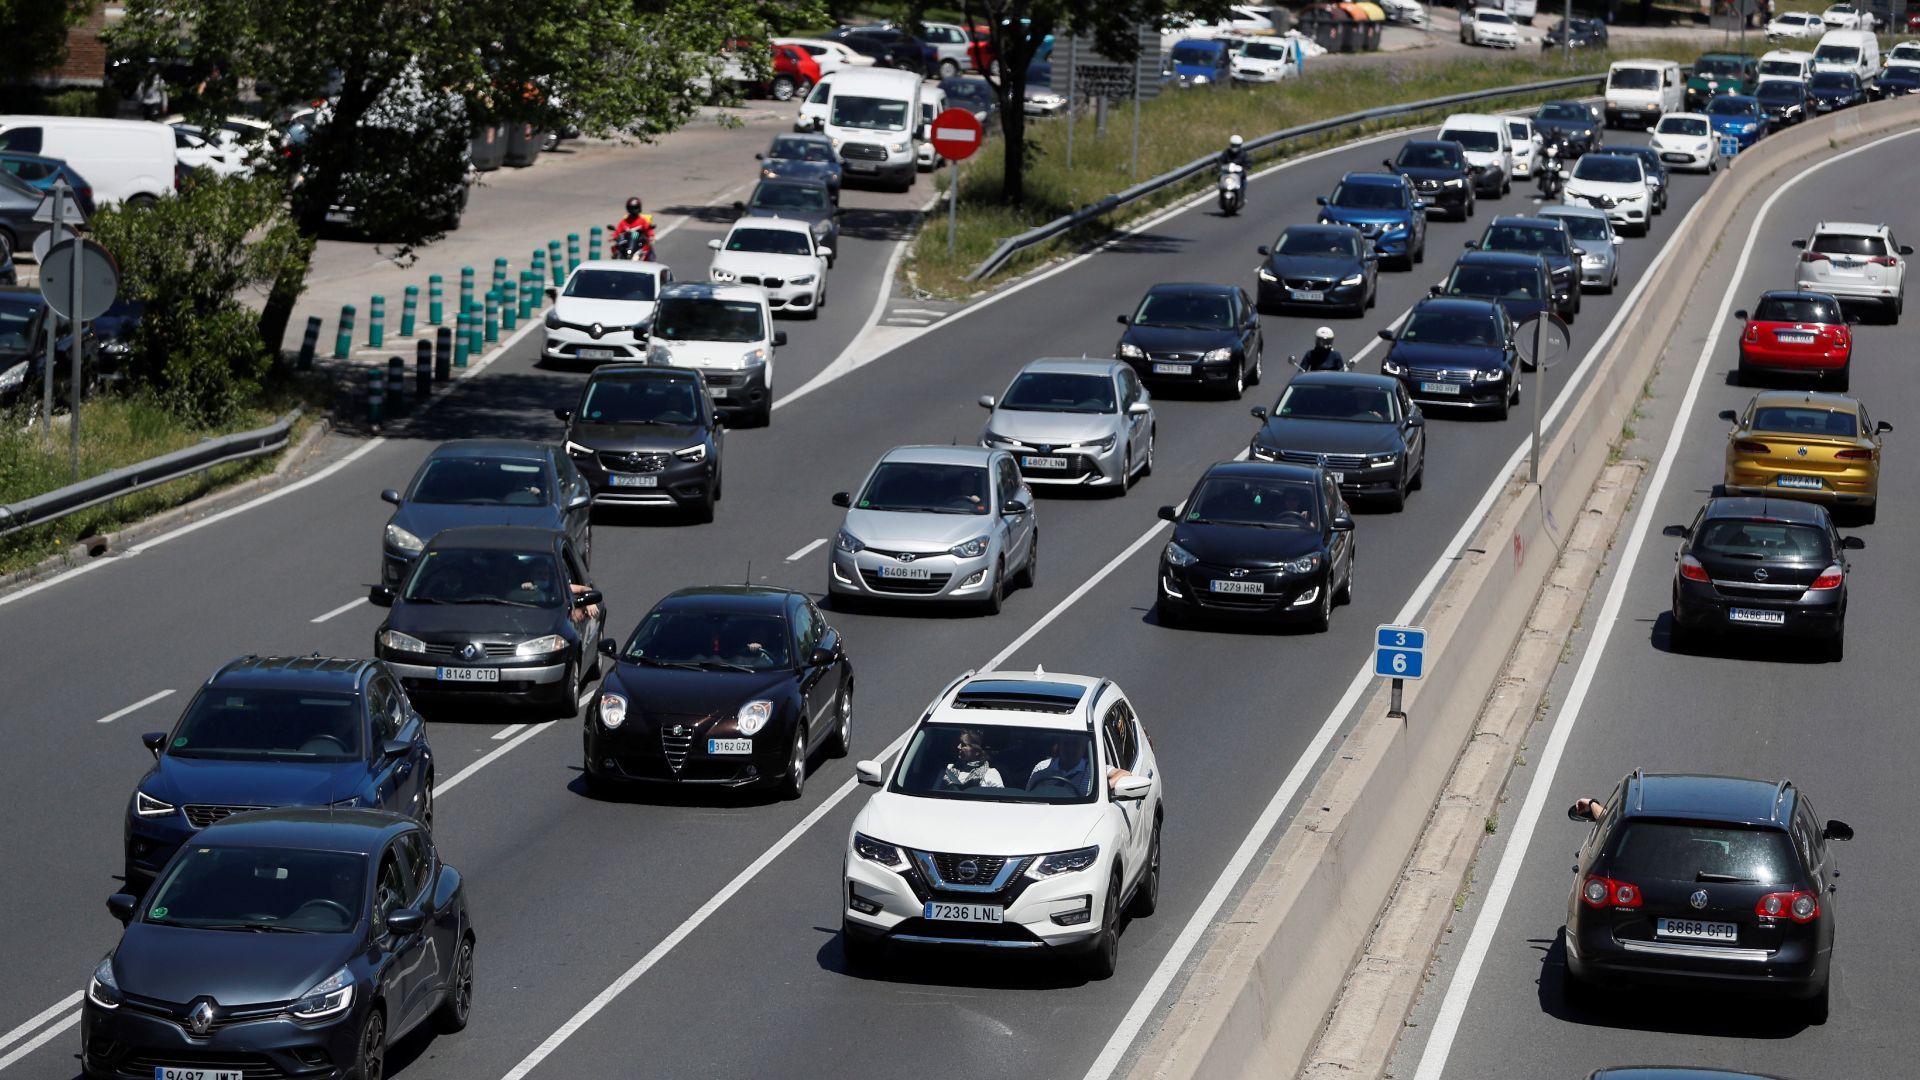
x,y
1023,814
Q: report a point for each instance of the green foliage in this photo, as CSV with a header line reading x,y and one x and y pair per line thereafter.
x,y
33,33
189,258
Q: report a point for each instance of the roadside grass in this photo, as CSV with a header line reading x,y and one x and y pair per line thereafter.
x,y
1180,126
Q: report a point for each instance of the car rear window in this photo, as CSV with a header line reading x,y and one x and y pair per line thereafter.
x,y
1633,79
1848,244
1530,239
1800,420
1679,851
1482,141
1791,309
475,481
1773,540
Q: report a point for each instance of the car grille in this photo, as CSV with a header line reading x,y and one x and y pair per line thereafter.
x,y
1308,283
755,279
251,1066
724,379
986,867
1331,461
913,586
1455,375
1175,357
1077,465
491,650
1370,228
675,746
863,151
638,462
201,816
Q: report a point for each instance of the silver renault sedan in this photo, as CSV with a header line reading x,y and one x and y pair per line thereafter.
x,y
1085,423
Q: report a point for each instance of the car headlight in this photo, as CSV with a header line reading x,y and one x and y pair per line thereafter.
x,y
1130,351
1262,452
971,549
887,855
1454,183
1098,446
991,437
399,642
899,147
403,541
327,999
1390,367
847,542
695,454
723,276
1180,556
540,646
553,319
15,376
803,279
1200,80
1265,275
754,716
754,357
102,989
1064,862
1305,564
1353,279
768,174
613,711
147,806
1489,375
1215,356
1381,461
1325,220
578,450
1703,146
1592,258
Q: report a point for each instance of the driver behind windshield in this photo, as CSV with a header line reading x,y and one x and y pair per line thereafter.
x,y
1068,764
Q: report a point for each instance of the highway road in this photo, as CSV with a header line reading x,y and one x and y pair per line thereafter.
x,y
691,934
1766,711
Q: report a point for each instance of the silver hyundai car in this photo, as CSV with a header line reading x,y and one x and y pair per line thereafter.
x,y
935,523
1595,239
1087,423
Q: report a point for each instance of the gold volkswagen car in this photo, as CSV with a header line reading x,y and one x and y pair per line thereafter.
x,y
1804,445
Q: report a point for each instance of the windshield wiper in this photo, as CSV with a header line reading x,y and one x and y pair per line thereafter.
x,y
424,600
1725,879
255,927
641,420
722,665
492,600
653,661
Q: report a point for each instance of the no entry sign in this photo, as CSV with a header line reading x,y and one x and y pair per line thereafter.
x,y
956,134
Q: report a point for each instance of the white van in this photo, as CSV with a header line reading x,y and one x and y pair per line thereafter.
x,y
1520,11
124,160
1525,141
1795,64
933,102
725,332
1856,51
1642,91
1488,148
873,118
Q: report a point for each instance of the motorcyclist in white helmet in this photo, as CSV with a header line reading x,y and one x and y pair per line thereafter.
x,y
1235,153
1323,356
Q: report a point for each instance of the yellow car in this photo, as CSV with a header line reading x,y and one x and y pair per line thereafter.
x,y
1796,444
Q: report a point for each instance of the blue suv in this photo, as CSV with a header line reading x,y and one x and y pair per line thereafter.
x,y
1387,211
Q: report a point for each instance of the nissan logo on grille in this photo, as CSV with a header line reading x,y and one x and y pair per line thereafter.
x,y
967,870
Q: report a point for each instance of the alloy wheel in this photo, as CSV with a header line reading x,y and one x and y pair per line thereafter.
x,y
373,1046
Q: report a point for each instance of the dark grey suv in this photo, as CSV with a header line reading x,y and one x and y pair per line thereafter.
x,y
647,436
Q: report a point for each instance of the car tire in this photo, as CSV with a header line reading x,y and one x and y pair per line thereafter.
x,y
1146,895
841,741
1468,211
370,1049
762,416
457,1007
1030,571
1419,474
1168,615
1344,597
794,783
1373,298
568,703
861,952
598,787
703,510
1397,499
949,69
1119,490
997,597
1742,374
1505,407
1842,379
1836,646
719,486
1869,513
1259,368
782,88
1321,620
1420,253
1146,467
1103,959
1506,185
1239,388
1578,994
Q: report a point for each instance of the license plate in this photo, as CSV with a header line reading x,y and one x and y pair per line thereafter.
x,y
1794,339
161,1072
1224,586
1700,931
729,746
1043,462
861,166
986,913
717,392
1309,295
909,573
620,480
1808,483
1759,616
467,674
1440,388
1173,369
1845,264
596,354
1682,158
1338,477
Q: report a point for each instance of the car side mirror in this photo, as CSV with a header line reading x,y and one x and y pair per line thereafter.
x,y
1435,290
1471,244
1169,513
739,207
867,772
609,648
1016,506
395,748
1386,335
581,501
1618,240
986,401
1122,320
714,244
1680,531
1741,314
1387,164
380,596
1417,420
123,905
825,251
1320,199
390,495
1133,786
1852,543
1259,412
1342,523
406,921
843,498
1906,249
821,657
839,213
1729,416
563,415
1139,408
1800,244
779,339
589,598
1882,428
154,741
1833,830
1263,250
1574,814
1852,318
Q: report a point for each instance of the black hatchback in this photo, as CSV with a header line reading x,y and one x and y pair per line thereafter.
x,y
485,482
1440,173
1762,565
1705,882
1194,335
647,436
1547,238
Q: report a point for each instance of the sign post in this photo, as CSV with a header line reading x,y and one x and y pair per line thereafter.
x,y
1399,653
79,280
956,135
1543,352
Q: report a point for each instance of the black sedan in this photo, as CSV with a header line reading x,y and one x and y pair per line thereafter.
x,y
1439,172
283,943
726,685
1363,429
1319,266
1785,100
1899,80
1260,539
1775,567
485,482
23,350
1518,283
896,48
802,156
1571,123
798,200
1834,90
503,613
1577,33
1194,335
647,436
1456,352
1657,176
1547,238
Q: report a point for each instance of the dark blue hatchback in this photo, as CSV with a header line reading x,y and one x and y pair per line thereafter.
x,y
279,731
1386,209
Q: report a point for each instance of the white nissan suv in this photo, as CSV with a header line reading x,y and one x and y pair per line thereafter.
x,y
1023,814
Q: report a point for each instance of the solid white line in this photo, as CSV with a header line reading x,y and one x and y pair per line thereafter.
x,y
135,707
456,779
20,1032
41,1039
341,610
803,552
507,732
1453,1007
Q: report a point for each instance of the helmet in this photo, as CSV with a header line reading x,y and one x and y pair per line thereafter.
x,y
1323,335
633,205
1234,140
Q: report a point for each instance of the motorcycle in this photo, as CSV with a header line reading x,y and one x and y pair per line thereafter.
x,y
634,245
1232,186
1552,172
1301,365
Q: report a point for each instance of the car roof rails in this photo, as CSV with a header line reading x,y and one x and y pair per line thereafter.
x,y
1639,789
1779,795
1093,702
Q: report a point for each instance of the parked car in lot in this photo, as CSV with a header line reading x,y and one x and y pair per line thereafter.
x,y
1263,60
1795,445
19,202
1576,33
1458,352
974,95
126,160
1194,335
604,312
39,172
484,482
647,436
24,316
1319,267
1196,62
1038,99
1440,173
1363,429
1594,240
1258,539
1776,567
890,46
1074,422
1795,24
1855,262
1386,210
1796,333
1489,26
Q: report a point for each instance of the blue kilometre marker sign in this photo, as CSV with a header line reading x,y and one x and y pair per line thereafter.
x,y
1399,652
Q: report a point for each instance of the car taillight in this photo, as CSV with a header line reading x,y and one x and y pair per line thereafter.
x,y
1884,260
1691,569
1814,256
1801,907
1753,332
1748,446
1600,892
1829,578
1855,455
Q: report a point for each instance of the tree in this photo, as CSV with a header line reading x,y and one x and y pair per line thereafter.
x,y
33,33
403,82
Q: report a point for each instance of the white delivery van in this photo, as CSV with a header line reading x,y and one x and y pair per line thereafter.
x,y
124,160
873,118
1642,91
1488,148
725,332
933,102
1795,64
1855,51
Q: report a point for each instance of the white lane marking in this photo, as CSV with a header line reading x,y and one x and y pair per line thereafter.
x,y
456,779
341,610
1453,1007
20,1032
135,707
41,1039
507,732
805,551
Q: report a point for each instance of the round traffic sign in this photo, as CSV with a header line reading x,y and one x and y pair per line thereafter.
x,y
46,240
1555,339
99,278
957,134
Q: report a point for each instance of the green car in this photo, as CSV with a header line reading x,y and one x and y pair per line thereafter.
x,y
1720,73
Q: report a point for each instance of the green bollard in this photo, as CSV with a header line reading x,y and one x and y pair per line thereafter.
x,y
493,316
573,252
309,343
499,271
376,395
466,288
529,288
460,341
343,341
593,242
409,310
436,300
509,306
476,338
553,261
377,322
539,264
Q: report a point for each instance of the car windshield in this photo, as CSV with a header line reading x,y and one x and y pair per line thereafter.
x,y
1059,391
1778,541
1519,133
967,90
810,197
1778,90
478,481
1633,78
1258,501
1608,169
1831,80
1848,244
723,640
1837,54
769,241
1194,55
261,890
702,319
16,327
1789,68
926,488
1321,401
1185,310
1804,420
454,575
1428,157
998,763
1321,242
1451,328
1681,851
1900,73
1362,196
792,149
1583,226
1682,125
640,401
1482,141
1530,239
1486,15
612,285
1264,50
1796,309
1713,66
873,114
1731,106
1500,282
1564,110
259,724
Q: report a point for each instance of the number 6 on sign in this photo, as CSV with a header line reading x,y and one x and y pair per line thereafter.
x,y
1399,652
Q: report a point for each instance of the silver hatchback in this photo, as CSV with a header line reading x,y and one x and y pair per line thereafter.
x,y
936,524
1083,423
1595,241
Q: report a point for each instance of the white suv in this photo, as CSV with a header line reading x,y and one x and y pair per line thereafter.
x,y
1005,826
1855,262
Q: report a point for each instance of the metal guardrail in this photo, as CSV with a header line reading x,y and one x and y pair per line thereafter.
x,y
139,476
1119,199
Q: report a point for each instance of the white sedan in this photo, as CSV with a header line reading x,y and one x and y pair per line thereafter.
x,y
1489,26
1847,17
1685,141
780,256
604,312
1795,24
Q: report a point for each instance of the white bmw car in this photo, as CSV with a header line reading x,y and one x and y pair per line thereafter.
x,y
604,311
780,256
1004,825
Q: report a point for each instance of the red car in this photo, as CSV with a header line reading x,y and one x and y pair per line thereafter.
x,y
794,72
1796,332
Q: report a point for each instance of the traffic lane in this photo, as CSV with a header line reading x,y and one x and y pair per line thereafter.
x,y
1759,709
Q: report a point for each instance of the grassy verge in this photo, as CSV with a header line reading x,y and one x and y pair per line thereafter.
x,y
1180,126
